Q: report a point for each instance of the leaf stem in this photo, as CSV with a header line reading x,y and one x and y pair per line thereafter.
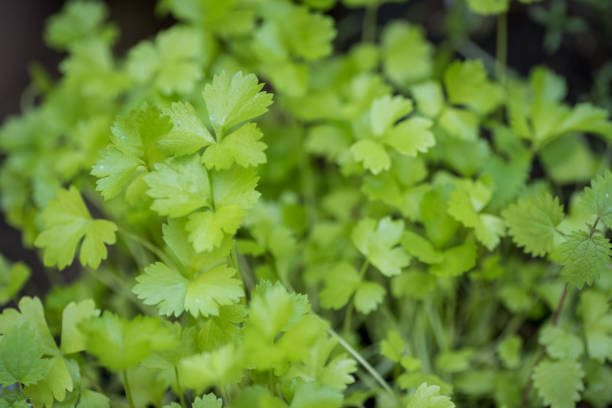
x,y
349,308
179,388
362,361
146,245
368,29
502,47
128,391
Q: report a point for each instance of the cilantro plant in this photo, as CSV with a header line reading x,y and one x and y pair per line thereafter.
x,y
257,217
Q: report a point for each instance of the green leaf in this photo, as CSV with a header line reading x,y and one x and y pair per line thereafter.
x,y
403,42
219,367
54,386
67,221
598,197
21,357
372,154
92,399
411,136
78,20
232,101
13,277
188,135
421,248
467,84
134,139
162,286
241,147
209,400
368,296
428,396
386,111
312,395
73,340
559,383
456,260
178,186
532,222
207,230
560,344
392,346
340,284
378,241
235,187
509,351
212,289
120,344
584,257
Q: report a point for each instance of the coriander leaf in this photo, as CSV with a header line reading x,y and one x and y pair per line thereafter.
x,y
242,147
559,383
377,241
92,399
235,187
172,64
429,97
428,396
178,186
67,221
134,139
73,340
532,222
372,155
21,357
386,111
595,313
232,101
598,197
467,84
340,284
459,123
120,344
509,351
456,260
187,135
162,286
54,386
218,367
584,257
208,229
212,289
368,296
403,42
209,400
411,136
313,395
12,278
78,20
421,248
560,344
392,346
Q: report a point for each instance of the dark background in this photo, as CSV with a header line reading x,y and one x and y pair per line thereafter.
x,y
578,59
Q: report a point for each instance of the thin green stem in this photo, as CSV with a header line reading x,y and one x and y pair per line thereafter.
x,y
128,390
349,308
502,47
146,245
381,381
179,388
436,325
368,30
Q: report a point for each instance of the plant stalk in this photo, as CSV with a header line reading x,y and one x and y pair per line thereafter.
x,y
502,47
128,390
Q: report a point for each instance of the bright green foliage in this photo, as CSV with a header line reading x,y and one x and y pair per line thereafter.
x,y
377,241
561,344
21,357
170,64
509,351
584,257
558,383
120,344
598,197
12,278
72,339
67,222
467,84
532,222
234,100
427,396
384,265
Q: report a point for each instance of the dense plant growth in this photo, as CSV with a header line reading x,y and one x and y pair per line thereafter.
x,y
263,222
